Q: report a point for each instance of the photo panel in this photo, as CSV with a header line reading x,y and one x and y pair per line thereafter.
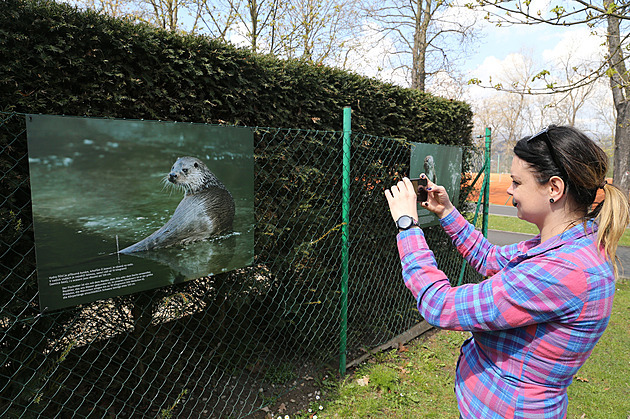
x,y
443,166
121,206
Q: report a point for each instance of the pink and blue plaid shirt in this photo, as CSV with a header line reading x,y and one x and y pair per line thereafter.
x,y
534,321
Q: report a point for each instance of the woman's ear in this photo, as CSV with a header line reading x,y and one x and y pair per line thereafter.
x,y
556,188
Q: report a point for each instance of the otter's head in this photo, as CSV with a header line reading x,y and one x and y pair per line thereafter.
x,y
191,175
188,174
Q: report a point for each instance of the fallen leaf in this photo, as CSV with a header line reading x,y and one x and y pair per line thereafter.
x,y
403,370
363,381
402,348
582,379
282,407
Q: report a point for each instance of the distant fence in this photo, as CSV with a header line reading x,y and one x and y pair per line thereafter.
x,y
229,344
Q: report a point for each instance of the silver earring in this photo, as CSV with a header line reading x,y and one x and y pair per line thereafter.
x,y
551,200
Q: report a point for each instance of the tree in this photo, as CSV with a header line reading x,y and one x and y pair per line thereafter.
x,y
319,31
420,31
571,67
165,13
250,23
216,18
511,113
114,8
611,15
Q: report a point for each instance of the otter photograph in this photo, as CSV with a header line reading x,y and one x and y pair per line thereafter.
x,y
442,165
121,206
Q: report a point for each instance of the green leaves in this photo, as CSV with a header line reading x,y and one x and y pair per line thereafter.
x,y
541,75
559,11
118,69
611,7
57,60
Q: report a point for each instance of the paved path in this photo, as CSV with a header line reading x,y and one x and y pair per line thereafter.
x,y
504,237
506,210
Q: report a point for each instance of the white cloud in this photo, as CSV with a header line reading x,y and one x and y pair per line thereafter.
x,y
516,66
579,45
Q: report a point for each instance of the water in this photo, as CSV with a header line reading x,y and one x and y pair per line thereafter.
x,y
99,185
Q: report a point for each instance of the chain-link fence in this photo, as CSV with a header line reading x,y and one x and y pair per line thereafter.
x,y
229,344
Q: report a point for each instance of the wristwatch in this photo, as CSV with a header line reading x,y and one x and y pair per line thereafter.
x,y
405,222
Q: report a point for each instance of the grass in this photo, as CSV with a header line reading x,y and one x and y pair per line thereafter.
x,y
601,389
513,224
418,381
516,225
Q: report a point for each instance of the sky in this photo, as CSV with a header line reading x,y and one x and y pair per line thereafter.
x,y
504,49
499,50
495,48
545,43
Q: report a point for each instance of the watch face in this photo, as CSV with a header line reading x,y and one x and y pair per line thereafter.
x,y
404,222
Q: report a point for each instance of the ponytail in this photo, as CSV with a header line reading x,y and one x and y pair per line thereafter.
x,y
612,219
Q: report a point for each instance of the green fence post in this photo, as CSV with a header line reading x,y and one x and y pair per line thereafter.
x,y
484,197
345,218
474,221
486,191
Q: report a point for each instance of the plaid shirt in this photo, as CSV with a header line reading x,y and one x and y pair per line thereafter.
x,y
534,321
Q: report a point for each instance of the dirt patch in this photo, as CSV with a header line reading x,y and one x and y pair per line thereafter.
x,y
306,395
499,184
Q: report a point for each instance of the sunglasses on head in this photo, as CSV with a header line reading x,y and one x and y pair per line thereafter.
x,y
544,135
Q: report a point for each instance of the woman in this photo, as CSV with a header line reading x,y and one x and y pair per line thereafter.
x,y
547,300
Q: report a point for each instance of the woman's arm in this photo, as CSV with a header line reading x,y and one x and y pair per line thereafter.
x,y
485,257
534,290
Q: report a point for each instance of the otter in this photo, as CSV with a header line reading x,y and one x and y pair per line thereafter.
x,y
206,210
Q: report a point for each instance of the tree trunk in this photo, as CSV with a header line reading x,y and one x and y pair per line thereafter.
x,y
418,72
619,86
621,159
253,15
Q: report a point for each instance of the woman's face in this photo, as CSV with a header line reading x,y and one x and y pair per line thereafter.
x,y
530,198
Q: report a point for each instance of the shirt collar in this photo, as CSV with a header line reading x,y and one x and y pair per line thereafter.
x,y
572,234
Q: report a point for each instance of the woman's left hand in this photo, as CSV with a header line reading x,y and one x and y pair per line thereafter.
x,y
402,200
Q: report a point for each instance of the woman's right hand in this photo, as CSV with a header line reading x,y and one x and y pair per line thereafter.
x,y
437,201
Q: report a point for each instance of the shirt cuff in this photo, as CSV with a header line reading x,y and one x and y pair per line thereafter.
x,y
411,240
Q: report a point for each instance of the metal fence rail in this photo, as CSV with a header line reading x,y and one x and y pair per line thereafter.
x,y
226,345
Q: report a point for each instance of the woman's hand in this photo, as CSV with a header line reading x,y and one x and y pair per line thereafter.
x,y
438,201
402,200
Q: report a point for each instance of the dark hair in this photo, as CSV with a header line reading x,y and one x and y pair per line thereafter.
x,y
582,165
575,158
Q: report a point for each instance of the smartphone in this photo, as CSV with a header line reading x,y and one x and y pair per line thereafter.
x,y
417,183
